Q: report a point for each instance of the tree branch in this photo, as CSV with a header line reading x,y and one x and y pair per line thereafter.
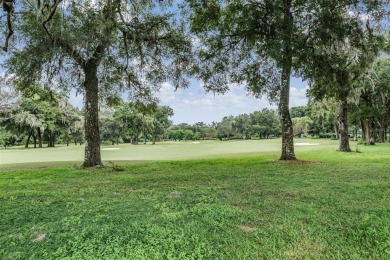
x,y
109,17
57,41
52,11
8,7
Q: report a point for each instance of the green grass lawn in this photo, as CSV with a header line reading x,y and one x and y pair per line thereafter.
x,y
161,151
229,205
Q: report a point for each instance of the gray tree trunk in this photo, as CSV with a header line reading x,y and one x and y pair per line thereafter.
x,y
92,156
343,126
286,123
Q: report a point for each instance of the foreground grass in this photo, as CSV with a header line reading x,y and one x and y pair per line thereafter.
x,y
250,207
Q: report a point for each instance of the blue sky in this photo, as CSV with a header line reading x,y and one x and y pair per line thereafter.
x,y
193,104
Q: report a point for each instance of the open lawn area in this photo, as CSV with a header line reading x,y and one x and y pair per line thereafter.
x,y
183,150
207,200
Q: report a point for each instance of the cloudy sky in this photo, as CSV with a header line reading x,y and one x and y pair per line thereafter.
x,y
193,104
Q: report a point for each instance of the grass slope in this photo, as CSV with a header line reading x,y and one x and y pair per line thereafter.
x,y
246,207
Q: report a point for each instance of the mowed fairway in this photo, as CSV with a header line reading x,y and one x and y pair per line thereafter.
x,y
160,151
221,200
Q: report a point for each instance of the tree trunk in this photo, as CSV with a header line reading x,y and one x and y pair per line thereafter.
x,y
48,139
286,123
362,125
343,126
136,136
355,134
374,131
51,139
28,139
367,131
39,138
336,130
143,128
92,155
382,129
35,140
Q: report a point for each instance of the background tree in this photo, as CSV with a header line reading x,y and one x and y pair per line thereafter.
x,y
301,126
175,133
364,110
208,132
298,111
380,74
242,125
263,43
76,130
323,117
347,51
111,129
161,122
40,114
8,95
225,128
264,123
146,110
70,124
300,120
102,47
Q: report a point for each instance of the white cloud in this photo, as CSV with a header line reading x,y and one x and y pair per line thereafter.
x,y
209,107
298,96
167,94
194,105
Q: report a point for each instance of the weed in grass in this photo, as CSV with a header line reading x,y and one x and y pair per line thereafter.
x,y
115,168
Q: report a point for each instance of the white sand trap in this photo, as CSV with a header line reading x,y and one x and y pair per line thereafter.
x,y
305,144
196,142
109,149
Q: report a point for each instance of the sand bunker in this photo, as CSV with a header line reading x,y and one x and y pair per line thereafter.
x,y
305,144
109,149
